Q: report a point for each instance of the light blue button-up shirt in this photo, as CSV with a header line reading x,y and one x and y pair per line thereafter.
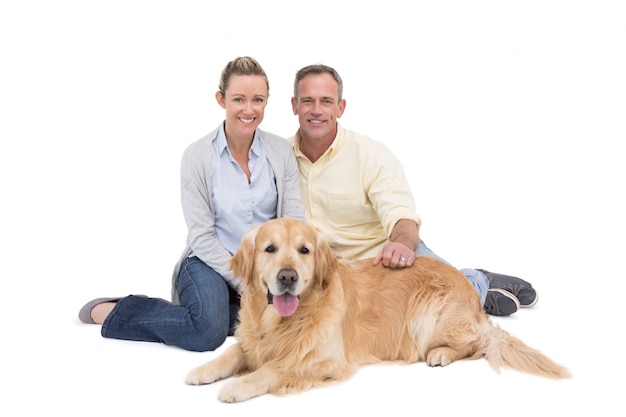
x,y
238,205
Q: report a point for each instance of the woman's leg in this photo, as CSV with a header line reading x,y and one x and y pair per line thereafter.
x,y
200,323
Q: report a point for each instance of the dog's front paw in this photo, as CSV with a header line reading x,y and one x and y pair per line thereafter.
x,y
201,375
243,389
231,394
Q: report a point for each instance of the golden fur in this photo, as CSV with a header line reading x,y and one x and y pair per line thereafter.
x,y
350,313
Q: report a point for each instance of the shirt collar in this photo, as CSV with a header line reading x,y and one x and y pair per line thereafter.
x,y
332,150
222,145
220,140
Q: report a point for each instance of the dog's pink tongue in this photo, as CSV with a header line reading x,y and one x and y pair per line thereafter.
x,y
285,304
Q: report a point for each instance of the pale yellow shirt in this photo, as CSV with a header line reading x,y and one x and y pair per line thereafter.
x,y
355,193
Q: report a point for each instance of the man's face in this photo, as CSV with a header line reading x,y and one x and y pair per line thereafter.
x,y
318,107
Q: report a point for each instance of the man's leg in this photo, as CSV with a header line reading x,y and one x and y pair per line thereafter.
x,y
496,301
523,290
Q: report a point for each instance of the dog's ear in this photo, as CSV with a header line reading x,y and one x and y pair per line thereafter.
x,y
325,261
243,261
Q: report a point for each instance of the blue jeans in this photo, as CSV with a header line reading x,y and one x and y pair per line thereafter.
x,y
476,278
201,323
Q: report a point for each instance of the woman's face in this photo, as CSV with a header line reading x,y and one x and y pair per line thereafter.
x,y
244,101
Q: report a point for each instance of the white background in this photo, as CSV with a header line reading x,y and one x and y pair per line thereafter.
x,y
509,117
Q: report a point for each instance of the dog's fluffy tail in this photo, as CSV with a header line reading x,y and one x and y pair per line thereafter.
x,y
504,350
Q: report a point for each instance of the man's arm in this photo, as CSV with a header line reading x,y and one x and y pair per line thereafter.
x,y
400,251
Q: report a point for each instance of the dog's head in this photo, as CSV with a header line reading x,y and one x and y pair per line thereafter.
x,y
283,258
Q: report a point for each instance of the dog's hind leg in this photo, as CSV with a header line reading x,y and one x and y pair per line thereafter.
x,y
445,355
448,337
226,365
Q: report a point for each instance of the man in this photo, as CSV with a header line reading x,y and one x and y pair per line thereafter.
x,y
355,191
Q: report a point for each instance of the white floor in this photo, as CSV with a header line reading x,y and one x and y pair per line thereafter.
x,y
508,117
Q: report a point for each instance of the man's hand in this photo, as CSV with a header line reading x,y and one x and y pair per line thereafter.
x,y
395,255
400,251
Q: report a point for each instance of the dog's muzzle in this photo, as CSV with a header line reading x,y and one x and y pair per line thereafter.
x,y
287,279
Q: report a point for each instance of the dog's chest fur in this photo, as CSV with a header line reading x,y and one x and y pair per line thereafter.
x,y
311,335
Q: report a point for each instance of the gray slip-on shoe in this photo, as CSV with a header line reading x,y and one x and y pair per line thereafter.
x,y
84,314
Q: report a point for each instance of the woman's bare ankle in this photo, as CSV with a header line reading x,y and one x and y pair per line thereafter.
x,y
100,312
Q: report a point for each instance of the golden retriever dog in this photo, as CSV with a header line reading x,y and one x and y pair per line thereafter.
x,y
308,318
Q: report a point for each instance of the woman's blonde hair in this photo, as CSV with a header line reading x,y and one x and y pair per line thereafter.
x,y
243,65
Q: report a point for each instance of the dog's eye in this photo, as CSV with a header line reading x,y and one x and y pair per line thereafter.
x,y
270,249
304,250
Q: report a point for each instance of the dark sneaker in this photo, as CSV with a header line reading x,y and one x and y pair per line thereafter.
x,y
521,289
500,302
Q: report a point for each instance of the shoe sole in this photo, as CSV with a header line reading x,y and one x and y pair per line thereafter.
x,y
531,304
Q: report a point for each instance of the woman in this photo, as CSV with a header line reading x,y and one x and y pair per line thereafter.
x,y
232,179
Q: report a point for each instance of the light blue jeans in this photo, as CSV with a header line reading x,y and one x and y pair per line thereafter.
x,y
476,278
201,323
